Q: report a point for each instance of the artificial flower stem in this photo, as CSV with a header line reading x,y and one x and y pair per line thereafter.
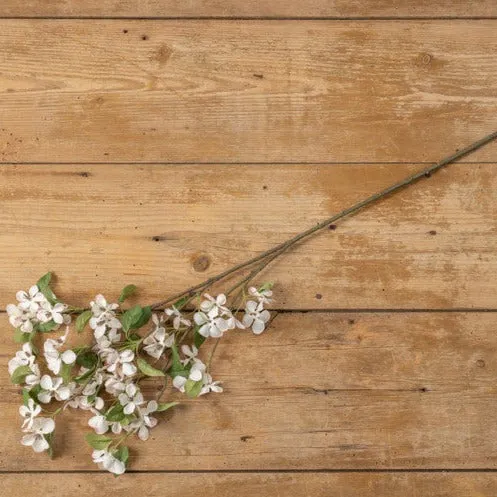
x,y
409,180
212,354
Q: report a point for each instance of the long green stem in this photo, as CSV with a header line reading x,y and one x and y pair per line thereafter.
x,y
409,180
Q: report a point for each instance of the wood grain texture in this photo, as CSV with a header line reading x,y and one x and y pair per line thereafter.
x,y
331,391
263,485
164,228
262,91
248,8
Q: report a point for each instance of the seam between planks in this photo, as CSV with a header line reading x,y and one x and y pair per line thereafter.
x,y
252,18
259,471
251,163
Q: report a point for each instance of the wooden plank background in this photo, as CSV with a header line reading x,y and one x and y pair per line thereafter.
x,y
159,142
254,91
249,8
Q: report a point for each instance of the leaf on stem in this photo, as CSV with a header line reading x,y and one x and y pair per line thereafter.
x,y
25,396
198,339
192,387
177,368
21,337
122,453
135,318
127,291
82,320
147,369
98,442
164,406
82,378
65,372
87,358
116,413
46,327
43,285
19,374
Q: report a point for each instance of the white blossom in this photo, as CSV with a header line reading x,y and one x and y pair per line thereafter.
x,y
131,398
36,436
145,421
263,295
211,324
209,385
214,318
211,302
29,413
94,384
20,318
107,461
190,353
54,358
84,403
121,363
114,386
177,317
116,427
99,423
196,374
34,378
255,316
104,316
24,357
30,300
53,387
55,313
158,340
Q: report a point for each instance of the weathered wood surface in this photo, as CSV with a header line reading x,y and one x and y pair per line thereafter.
x,y
319,391
229,91
248,8
322,393
250,485
164,228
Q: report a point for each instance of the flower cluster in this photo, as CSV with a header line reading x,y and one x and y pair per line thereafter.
x,y
127,346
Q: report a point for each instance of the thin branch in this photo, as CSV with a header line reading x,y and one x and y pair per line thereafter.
x,y
409,180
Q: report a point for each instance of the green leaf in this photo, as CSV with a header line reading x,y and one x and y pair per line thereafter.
x,y
83,377
44,286
25,396
98,442
87,358
127,420
33,393
21,337
82,320
266,286
122,453
115,413
46,327
20,373
198,339
44,281
177,369
164,406
135,318
127,292
192,388
147,369
65,372
49,438
144,318
131,317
